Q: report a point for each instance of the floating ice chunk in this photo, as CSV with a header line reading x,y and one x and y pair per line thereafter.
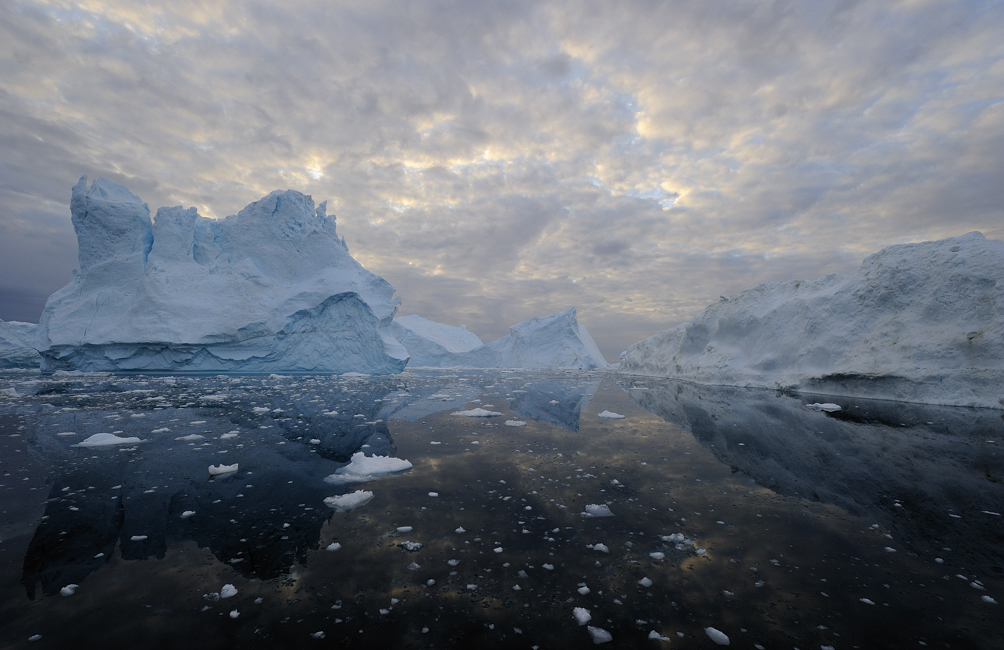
x,y
228,591
433,494
658,637
828,407
66,433
189,438
583,590
515,423
717,636
477,413
460,530
472,587
261,409
68,590
582,615
411,547
363,468
701,551
106,440
404,529
549,567
602,548
35,637
988,599
453,562
610,415
333,546
497,549
867,601
138,538
317,635
228,436
221,469
657,555
315,441
347,502
645,582
234,614
162,430
597,510
599,634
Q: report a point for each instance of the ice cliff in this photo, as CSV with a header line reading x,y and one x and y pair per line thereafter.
x,y
916,322
16,345
270,289
556,341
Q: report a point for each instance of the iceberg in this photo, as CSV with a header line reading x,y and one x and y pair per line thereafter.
x,y
270,289
915,323
556,341
16,345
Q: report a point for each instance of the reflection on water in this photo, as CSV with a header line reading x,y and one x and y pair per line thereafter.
x,y
932,474
738,510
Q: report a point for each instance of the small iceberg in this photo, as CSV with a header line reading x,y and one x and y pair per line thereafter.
x,y
828,407
363,468
221,469
610,415
597,510
515,423
477,413
347,502
106,440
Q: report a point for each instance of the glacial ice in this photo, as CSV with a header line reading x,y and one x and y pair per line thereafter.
x,y
17,345
915,323
556,341
270,289
363,468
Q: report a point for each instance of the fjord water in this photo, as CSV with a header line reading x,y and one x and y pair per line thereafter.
x,y
779,526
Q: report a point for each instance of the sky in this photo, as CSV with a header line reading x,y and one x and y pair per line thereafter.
x,y
496,161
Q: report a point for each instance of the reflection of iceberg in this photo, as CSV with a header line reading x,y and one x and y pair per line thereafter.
x,y
142,499
556,402
926,472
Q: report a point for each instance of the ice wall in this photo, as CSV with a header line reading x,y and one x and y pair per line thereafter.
x,y
270,289
916,322
16,345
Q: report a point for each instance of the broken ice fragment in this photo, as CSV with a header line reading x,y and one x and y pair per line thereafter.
x,y
582,615
68,590
599,634
221,469
717,636
610,415
347,502
597,510
333,546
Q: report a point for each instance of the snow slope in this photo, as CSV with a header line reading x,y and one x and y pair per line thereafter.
x,y
916,322
556,341
16,349
271,289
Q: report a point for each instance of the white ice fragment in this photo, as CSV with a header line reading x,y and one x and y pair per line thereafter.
x,y
701,551
221,469
362,468
582,615
347,502
162,430
460,530
34,637
430,582
657,555
477,413
106,440
988,599
498,549
717,636
317,635
472,587
68,590
453,562
602,548
549,567
597,510
333,546
404,529
228,591
599,634
645,582
828,407
138,538
411,547
583,590
610,415
190,438
657,637
414,566
188,513
515,423
234,614
867,601
228,436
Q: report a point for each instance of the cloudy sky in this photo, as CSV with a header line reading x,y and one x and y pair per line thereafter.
x,y
500,160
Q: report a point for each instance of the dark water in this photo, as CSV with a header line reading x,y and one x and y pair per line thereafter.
x,y
872,527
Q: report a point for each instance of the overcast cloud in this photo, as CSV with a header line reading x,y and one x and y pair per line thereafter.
x,y
500,160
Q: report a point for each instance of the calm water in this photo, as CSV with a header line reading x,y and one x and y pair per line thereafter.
x,y
877,526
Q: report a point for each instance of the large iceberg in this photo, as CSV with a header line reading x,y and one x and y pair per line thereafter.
x,y
556,341
270,289
17,345
916,322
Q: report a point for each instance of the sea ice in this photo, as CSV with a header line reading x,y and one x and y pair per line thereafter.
x,y
717,636
477,413
597,510
362,468
106,440
221,469
582,615
347,502
515,423
610,415
828,407
228,591
599,635
333,546
272,288
68,590
916,322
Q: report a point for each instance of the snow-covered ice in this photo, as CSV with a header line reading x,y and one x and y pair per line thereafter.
x,y
68,590
362,468
271,288
556,341
106,440
333,546
916,322
347,502
17,345
515,423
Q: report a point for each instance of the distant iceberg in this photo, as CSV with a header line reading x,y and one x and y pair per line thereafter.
x,y
916,322
17,345
557,341
270,289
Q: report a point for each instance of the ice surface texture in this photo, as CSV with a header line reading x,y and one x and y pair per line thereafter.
x,y
916,322
270,289
556,341
16,345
